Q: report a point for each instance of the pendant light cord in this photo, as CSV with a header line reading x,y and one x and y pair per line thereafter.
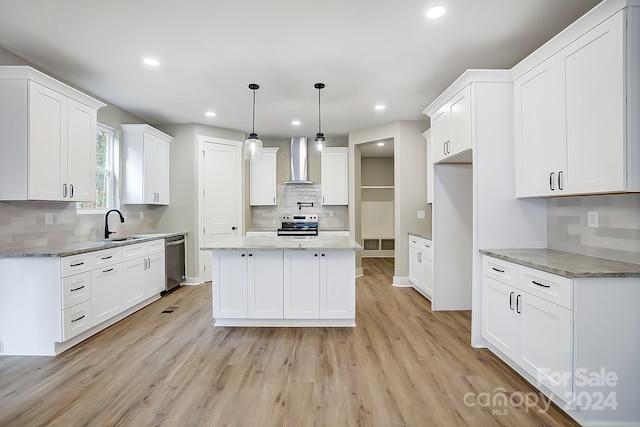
x,y
319,120
253,126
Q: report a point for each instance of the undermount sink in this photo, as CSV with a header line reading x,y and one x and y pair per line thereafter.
x,y
124,239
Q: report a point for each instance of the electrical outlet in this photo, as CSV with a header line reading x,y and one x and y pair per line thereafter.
x,y
141,215
48,218
421,215
592,219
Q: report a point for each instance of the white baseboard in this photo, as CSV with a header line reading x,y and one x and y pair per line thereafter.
x,y
401,282
192,281
359,272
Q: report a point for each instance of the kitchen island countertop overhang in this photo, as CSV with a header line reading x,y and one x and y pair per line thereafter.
x,y
285,243
284,281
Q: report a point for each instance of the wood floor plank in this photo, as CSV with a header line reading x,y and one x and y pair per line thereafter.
x,y
402,365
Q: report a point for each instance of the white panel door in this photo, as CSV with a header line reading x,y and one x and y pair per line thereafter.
x,y
301,285
595,88
81,152
222,192
547,336
47,143
229,284
501,324
266,282
539,129
337,285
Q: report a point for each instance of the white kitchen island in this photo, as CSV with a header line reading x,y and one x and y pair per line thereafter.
x,y
284,281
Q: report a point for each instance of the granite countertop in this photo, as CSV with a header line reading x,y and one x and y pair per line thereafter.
x,y
84,247
295,243
565,263
422,234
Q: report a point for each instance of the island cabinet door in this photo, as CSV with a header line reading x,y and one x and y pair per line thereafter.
x,y
337,285
301,285
230,284
266,283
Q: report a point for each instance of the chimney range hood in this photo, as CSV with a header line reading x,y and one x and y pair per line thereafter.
x,y
298,161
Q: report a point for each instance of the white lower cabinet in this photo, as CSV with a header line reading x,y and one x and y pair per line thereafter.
x,y
301,285
143,271
533,331
133,274
270,288
337,285
230,281
106,293
265,285
421,265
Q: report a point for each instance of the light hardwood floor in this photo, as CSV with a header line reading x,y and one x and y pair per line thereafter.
x,y
403,365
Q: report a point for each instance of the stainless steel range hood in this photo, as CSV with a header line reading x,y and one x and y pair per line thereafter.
x,y
298,161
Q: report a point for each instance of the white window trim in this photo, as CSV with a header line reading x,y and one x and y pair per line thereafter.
x,y
114,198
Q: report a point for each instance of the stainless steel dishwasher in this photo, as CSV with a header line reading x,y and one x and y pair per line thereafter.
x,y
174,261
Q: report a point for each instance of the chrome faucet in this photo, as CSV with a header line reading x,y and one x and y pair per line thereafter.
x,y
106,222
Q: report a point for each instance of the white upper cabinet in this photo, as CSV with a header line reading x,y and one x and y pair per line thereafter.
x,y
576,127
451,127
146,157
427,137
263,179
334,171
47,138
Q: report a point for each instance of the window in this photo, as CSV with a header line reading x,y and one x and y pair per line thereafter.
x,y
105,172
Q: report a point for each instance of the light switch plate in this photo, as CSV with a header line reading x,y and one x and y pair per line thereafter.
x,y
592,219
48,218
421,215
141,215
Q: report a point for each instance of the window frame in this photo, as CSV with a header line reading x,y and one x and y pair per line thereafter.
x,y
112,161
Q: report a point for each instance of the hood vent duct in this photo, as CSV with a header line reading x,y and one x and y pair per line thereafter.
x,y
299,161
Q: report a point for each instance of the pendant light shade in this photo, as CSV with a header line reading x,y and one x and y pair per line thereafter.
x,y
319,136
253,145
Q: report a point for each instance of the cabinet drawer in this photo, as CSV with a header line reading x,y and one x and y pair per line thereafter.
x,y
502,271
552,288
76,289
76,320
133,251
105,257
154,246
417,242
75,264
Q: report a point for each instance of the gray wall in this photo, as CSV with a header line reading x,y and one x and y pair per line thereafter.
x,y
618,234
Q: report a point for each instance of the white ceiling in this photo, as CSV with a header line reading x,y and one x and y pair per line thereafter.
x,y
365,51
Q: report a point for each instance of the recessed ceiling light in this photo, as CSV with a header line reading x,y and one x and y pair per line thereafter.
x,y
295,122
380,107
436,12
210,114
151,61
380,144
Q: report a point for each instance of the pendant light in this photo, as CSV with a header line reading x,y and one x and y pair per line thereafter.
x,y
253,145
319,136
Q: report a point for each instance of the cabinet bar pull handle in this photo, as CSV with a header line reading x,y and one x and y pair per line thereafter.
x,y
511,300
250,254
64,190
77,289
242,255
315,254
560,181
540,284
322,254
79,318
144,260
518,304
71,186
77,264
497,269
551,181
107,257
106,271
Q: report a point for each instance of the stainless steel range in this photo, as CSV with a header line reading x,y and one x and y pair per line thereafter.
x,y
299,225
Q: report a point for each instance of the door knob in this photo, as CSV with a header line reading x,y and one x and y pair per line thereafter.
x,y
233,228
